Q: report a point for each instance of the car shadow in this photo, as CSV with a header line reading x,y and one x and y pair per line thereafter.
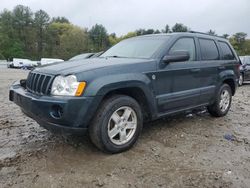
x,y
172,121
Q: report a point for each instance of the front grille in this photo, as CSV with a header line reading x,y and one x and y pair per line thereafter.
x,y
39,83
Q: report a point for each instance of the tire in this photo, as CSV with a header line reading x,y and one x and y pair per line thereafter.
x,y
111,116
218,110
241,79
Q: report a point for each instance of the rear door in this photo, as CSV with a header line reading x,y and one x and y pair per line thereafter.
x,y
178,82
228,58
210,66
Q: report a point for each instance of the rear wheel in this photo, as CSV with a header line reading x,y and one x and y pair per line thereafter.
x,y
222,102
117,124
241,79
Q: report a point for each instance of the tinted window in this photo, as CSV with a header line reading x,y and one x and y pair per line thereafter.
x,y
227,53
209,49
185,44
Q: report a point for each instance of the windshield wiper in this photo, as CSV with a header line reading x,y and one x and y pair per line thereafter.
x,y
114,56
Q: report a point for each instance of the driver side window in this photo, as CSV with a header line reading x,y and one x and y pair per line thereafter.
x,y
185,44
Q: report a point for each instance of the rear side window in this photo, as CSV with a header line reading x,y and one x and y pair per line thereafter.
x,y
227,53
209,50
185,44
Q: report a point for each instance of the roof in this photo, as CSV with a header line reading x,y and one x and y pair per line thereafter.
x,y
190,33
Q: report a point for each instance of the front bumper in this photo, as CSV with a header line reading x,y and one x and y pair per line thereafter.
x,y
70,115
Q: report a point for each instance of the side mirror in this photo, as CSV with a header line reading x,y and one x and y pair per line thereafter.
x,y
176,56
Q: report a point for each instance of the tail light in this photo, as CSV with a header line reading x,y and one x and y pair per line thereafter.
x,y
238,66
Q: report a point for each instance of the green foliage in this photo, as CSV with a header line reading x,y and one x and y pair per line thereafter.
x,y
41,22
99,39
60,20
211,32
240,43
178,27
1,56
166,29
225,36
25,34
144,32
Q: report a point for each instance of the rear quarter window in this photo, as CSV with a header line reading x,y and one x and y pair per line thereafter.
x,y
209,50
227,53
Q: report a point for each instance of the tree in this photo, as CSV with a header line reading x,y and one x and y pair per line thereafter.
x,y
99,38
157,31
60,20
238,41
178,27
73,42
41,23
10,44
6,31
113,39
129,35
240,37
65,40
54,32
166,29
225,36
140,32
27,35
211,32
23,24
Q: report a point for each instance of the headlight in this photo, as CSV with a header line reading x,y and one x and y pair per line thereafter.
x,y
67,86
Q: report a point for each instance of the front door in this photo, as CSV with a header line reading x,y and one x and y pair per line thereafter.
x,y
178,82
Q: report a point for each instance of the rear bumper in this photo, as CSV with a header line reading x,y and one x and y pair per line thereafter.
x,y
58,114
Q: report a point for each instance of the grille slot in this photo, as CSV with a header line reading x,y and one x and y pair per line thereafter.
x,y
39,83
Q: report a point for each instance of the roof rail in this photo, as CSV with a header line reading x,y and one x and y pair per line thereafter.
x,y
205,34
200,33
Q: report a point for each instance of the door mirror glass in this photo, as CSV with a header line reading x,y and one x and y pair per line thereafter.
x,y
176,56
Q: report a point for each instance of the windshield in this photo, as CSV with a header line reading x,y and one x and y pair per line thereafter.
x,y
141,47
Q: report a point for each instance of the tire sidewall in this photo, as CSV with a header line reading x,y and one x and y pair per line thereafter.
x,y
222,88
242,77
107,113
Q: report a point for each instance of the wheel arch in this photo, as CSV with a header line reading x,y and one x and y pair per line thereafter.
x,y
229,77
231,83
143,98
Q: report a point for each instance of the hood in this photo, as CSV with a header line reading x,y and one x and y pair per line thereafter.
x,y
72,67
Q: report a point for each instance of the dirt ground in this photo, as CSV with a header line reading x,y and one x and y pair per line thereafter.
x,y
182,151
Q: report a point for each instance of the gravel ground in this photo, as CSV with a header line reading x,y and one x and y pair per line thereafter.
x,y
181,151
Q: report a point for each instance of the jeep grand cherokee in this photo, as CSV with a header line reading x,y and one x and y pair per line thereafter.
x,y
139,79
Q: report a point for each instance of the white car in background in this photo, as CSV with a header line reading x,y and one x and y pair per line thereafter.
x,y
46,61
23,63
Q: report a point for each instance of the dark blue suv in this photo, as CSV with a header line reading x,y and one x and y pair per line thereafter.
x,y
139,79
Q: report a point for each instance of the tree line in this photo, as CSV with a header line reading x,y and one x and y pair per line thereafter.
x,y
33,35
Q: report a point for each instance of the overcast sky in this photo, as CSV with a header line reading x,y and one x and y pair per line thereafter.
x,y
122,16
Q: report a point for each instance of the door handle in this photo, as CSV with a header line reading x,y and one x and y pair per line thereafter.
x,y
195,70
222,68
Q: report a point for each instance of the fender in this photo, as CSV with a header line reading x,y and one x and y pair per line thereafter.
x,y
108,83
227,75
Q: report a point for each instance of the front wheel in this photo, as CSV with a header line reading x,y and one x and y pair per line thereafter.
x,y
222,102
117,124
